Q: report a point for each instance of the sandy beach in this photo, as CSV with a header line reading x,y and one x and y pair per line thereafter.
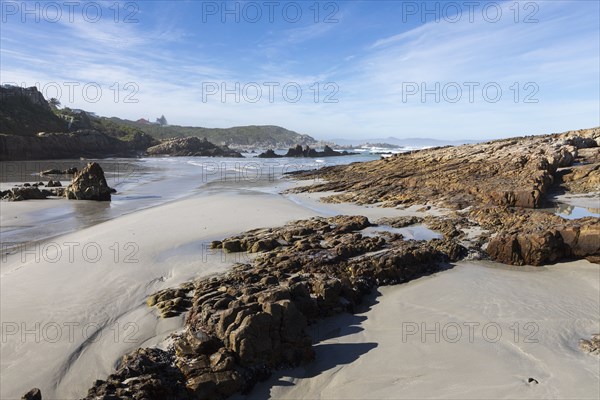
x,y
75,304
477,331
83,299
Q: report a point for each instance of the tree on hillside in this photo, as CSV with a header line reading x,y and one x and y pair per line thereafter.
x,y
54,103
162,120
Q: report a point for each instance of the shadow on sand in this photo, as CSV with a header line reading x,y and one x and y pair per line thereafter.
x,y
328,342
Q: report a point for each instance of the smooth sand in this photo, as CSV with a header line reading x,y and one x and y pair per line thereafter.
x,y
91,312
68,318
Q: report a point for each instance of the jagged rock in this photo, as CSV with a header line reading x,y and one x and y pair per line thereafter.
x,y
298,151
52,183
24,193
243,324
33,394
143,374
89,184
532,249
399,222
509,172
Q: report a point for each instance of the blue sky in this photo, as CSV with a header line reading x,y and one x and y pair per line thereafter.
x,y
439,69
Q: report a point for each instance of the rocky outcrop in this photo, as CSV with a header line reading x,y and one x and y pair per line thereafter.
x,y
83,143
496,186
242,325
24,193
89,184
524,236
510,172
298,151
191,146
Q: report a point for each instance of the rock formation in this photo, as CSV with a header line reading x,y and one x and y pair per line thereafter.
x,y
298,151
496,185
191,146
242,325
89,184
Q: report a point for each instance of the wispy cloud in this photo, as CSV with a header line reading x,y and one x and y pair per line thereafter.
x,y
169,56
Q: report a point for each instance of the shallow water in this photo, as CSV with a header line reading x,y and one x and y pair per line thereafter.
x,y
568,211
413,232
140,183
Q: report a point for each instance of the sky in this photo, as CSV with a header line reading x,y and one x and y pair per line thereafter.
x,y
333,69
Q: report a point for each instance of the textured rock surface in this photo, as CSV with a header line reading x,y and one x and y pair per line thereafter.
x,y
24,193
495,186
89,184
509,172
191,146
253,319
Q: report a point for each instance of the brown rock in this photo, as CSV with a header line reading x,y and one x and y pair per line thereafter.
x,y
89,184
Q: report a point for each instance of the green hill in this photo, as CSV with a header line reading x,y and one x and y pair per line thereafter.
x,y
25,112
239,136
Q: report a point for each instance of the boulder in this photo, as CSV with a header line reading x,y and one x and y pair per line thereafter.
x,y
89,184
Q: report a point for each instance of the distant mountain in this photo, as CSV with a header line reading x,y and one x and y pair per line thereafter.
x,y
408,142
252,136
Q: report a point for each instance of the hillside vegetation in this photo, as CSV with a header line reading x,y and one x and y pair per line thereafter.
x,y
252,135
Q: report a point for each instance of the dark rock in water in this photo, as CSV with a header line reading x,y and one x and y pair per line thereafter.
x,y
191,146
27,184
52,183
269,154
33,394
298,151
54,171
55,192
24,193
89,184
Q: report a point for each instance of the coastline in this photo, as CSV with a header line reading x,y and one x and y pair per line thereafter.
x,y
103,299
108,316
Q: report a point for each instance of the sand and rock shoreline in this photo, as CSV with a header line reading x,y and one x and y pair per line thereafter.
x,y
242,325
